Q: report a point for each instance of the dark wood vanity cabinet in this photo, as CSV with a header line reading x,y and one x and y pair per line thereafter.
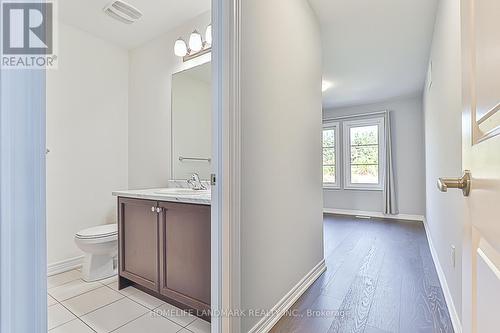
x,y
185,253
138,241
164,248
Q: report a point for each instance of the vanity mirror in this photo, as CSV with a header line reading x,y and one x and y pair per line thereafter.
x,y
192,122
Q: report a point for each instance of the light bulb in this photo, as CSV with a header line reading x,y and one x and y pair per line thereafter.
x,y
180,48
195,42
208,35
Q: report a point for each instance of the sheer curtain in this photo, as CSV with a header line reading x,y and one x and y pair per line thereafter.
x,y
390,200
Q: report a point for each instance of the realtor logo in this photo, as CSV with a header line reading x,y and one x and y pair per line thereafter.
x,y
28,34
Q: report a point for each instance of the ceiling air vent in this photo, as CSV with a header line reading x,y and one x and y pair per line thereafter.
x,y
122,12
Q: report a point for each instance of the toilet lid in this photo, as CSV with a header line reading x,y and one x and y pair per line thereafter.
x,y
100,231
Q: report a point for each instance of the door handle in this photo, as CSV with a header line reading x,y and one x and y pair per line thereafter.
x,y
463,183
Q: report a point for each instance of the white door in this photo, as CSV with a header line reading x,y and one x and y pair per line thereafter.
x,y
481,155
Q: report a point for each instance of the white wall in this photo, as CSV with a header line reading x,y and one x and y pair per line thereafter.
x,y
408,152
151,69
281,198
87,136
443,137
108,127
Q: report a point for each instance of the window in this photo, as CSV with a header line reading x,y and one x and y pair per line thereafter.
x,y
364,149
330,155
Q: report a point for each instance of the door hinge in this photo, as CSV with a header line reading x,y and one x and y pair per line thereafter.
x,y
212,179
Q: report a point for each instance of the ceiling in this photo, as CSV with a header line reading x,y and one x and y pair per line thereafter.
x,y
374,50
159,16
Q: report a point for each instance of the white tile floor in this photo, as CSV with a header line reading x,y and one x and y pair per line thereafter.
x,y
75,306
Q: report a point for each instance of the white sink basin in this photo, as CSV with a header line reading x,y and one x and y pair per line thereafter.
x,y
182,192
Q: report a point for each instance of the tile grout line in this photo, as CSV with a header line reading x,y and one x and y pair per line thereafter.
x,y
149,311
152,310
128,322
159,306
103,306
65,321
65,283
88,291
78,317
79,278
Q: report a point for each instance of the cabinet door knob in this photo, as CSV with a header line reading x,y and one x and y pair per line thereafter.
x,y
153,209
158,209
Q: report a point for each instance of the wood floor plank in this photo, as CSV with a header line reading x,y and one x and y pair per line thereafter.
x,y
371,329
334,234
353,313
339,254
415,306
339,285
380,278
428,264
438,308
385,310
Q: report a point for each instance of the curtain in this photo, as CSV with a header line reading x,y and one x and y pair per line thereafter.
x,y
390,201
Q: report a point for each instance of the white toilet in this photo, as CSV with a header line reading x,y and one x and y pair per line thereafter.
x,y
100,245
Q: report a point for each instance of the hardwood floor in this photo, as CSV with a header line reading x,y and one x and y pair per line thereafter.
x,y
380,278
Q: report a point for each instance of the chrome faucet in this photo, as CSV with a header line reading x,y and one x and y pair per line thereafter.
x,y
195,182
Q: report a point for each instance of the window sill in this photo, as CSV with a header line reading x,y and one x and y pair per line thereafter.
x,y
360,188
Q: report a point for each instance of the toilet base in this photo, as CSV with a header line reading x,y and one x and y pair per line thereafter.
x,y
97,267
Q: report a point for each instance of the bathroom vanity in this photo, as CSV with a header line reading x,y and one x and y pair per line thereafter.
x,y
164,234
164,245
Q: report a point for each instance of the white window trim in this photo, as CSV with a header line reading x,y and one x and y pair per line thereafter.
x,y
336,126
346,147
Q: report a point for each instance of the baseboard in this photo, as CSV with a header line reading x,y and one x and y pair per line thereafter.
x,y
455,319
403,217
64,265
267,322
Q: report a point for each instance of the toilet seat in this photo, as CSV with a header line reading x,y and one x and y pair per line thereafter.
x,y
100,232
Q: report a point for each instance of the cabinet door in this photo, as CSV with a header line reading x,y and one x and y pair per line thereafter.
x,y
185,254
138,241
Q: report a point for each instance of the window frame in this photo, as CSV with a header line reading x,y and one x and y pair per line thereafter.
x,y
346,146
335,125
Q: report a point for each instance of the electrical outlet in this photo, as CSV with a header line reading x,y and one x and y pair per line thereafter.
x,y
453,256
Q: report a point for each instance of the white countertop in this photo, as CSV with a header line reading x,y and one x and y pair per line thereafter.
x,y
155,194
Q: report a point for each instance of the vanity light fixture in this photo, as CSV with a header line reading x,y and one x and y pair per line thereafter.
x,y
208,35
195,41
180,48
196,45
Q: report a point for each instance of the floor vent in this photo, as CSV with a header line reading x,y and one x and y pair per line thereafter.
x,y
122,12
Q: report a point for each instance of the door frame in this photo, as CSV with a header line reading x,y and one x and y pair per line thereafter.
x,y
22,163
226,200
23,267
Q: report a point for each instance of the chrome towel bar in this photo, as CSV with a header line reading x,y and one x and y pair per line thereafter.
x,y
182,158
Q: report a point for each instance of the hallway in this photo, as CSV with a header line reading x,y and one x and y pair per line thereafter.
x,y
380,278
